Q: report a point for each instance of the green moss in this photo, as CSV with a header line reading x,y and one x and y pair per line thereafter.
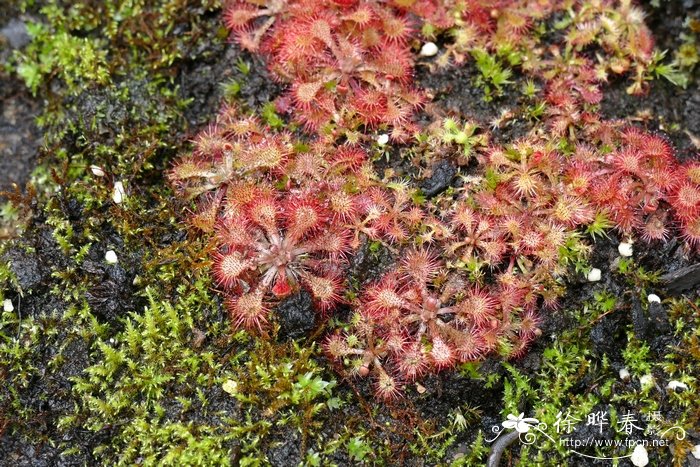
x,y
493,75
59,53
568,364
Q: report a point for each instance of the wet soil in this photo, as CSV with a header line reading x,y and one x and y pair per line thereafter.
x,y
19,136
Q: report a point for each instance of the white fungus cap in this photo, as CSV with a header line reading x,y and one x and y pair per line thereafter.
x,y
97,171
696,451
639,457
653,298
429,49
646,380
624,374
119,194
594,275
8,306
382,139
625,249
230,386
675,385
111,257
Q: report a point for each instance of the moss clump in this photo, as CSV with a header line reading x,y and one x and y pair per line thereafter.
x,y
168,392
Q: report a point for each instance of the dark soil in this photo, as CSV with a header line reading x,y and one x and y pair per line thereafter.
x,y
673,111
19,136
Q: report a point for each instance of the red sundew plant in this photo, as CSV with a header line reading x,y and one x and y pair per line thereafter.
x,y
618,28
389,215
367,348
498,26
476,263
250,20
515,223
570,96
418,319
348,63
272,246
632,184
636,182
521,221
477,237
283,213
237,148
685,200
231,149
511,30
531,210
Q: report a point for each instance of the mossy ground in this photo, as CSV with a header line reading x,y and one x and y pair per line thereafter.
x,y
135,363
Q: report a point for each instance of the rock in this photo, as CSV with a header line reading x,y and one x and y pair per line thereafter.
x,y
696,451
625,249
594,275
601,335
286,450
676,386
658,318
429,49
111,257
92,267
640,323
440,180
26,267
296,315
624,374
651,326
109,295
680,280
367,265
640,457
105,299
117,274
97,171
646,381
16,33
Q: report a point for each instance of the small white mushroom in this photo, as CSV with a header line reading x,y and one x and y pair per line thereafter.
x,y
624,374
653,298
111,257
625,249
639,457
230,386
429,49
676,385
8,306
646,380
594,275
382,139
97,171
118,194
